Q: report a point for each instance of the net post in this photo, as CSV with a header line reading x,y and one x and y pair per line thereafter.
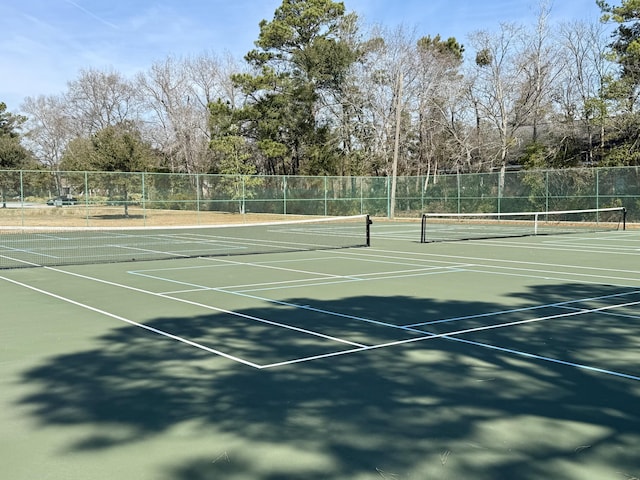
x,y
423,229
624,218
368,227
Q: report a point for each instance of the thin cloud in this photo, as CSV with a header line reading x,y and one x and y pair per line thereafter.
x,y
93,15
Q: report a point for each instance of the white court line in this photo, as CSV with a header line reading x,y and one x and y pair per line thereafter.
x,y
302,283
290,270
358,276
556,247
135,324
524,309
189,302
612,237
430,336
361,348
21,250
425,272
542,274
409,328
325,279
453,336
547,275
198,288
490,262
612,314
328,275
563,247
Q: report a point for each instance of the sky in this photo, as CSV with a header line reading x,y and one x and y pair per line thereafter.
x,y
45,43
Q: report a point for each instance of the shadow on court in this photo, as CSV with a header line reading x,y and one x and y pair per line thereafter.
x,y
434,409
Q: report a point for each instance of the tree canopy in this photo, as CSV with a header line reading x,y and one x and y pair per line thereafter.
x,y
324,94
299,58
12,153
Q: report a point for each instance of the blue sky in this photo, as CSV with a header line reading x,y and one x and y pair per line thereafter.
x,y
45,43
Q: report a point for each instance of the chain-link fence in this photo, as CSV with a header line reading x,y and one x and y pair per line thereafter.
x,y
141,194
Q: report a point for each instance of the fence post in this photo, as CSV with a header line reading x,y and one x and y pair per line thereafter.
x,y
597,188
501,182
143,200
325,196
22,209
86,198
459,207
198,197
361,194
546,190
244,194
388,198
284,194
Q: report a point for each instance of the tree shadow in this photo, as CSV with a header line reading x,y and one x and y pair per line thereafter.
x,y
431,409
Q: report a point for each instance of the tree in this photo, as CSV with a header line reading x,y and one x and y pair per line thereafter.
x,y
502,90
99,99
10,123
176,94
12,154
115,148
626,44
540,69
440,85
579,93
624,90
49,129
233,154
300,58
401,78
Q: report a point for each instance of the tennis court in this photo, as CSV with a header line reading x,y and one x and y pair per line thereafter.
x,y
296,351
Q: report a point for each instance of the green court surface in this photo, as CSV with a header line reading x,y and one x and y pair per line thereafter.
x,y
488,359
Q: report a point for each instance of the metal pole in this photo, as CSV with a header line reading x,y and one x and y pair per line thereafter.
x,y
143,199
284,194
86,197
325,196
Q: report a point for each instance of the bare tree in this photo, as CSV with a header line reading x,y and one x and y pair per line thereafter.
x,y
437,99
365,106
211,78
579,91
177,94
165,93
541,68
48,129
502,90
99,99
388,89
381,102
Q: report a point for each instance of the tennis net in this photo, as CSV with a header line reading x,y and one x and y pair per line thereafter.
x,y
50,246
441,227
